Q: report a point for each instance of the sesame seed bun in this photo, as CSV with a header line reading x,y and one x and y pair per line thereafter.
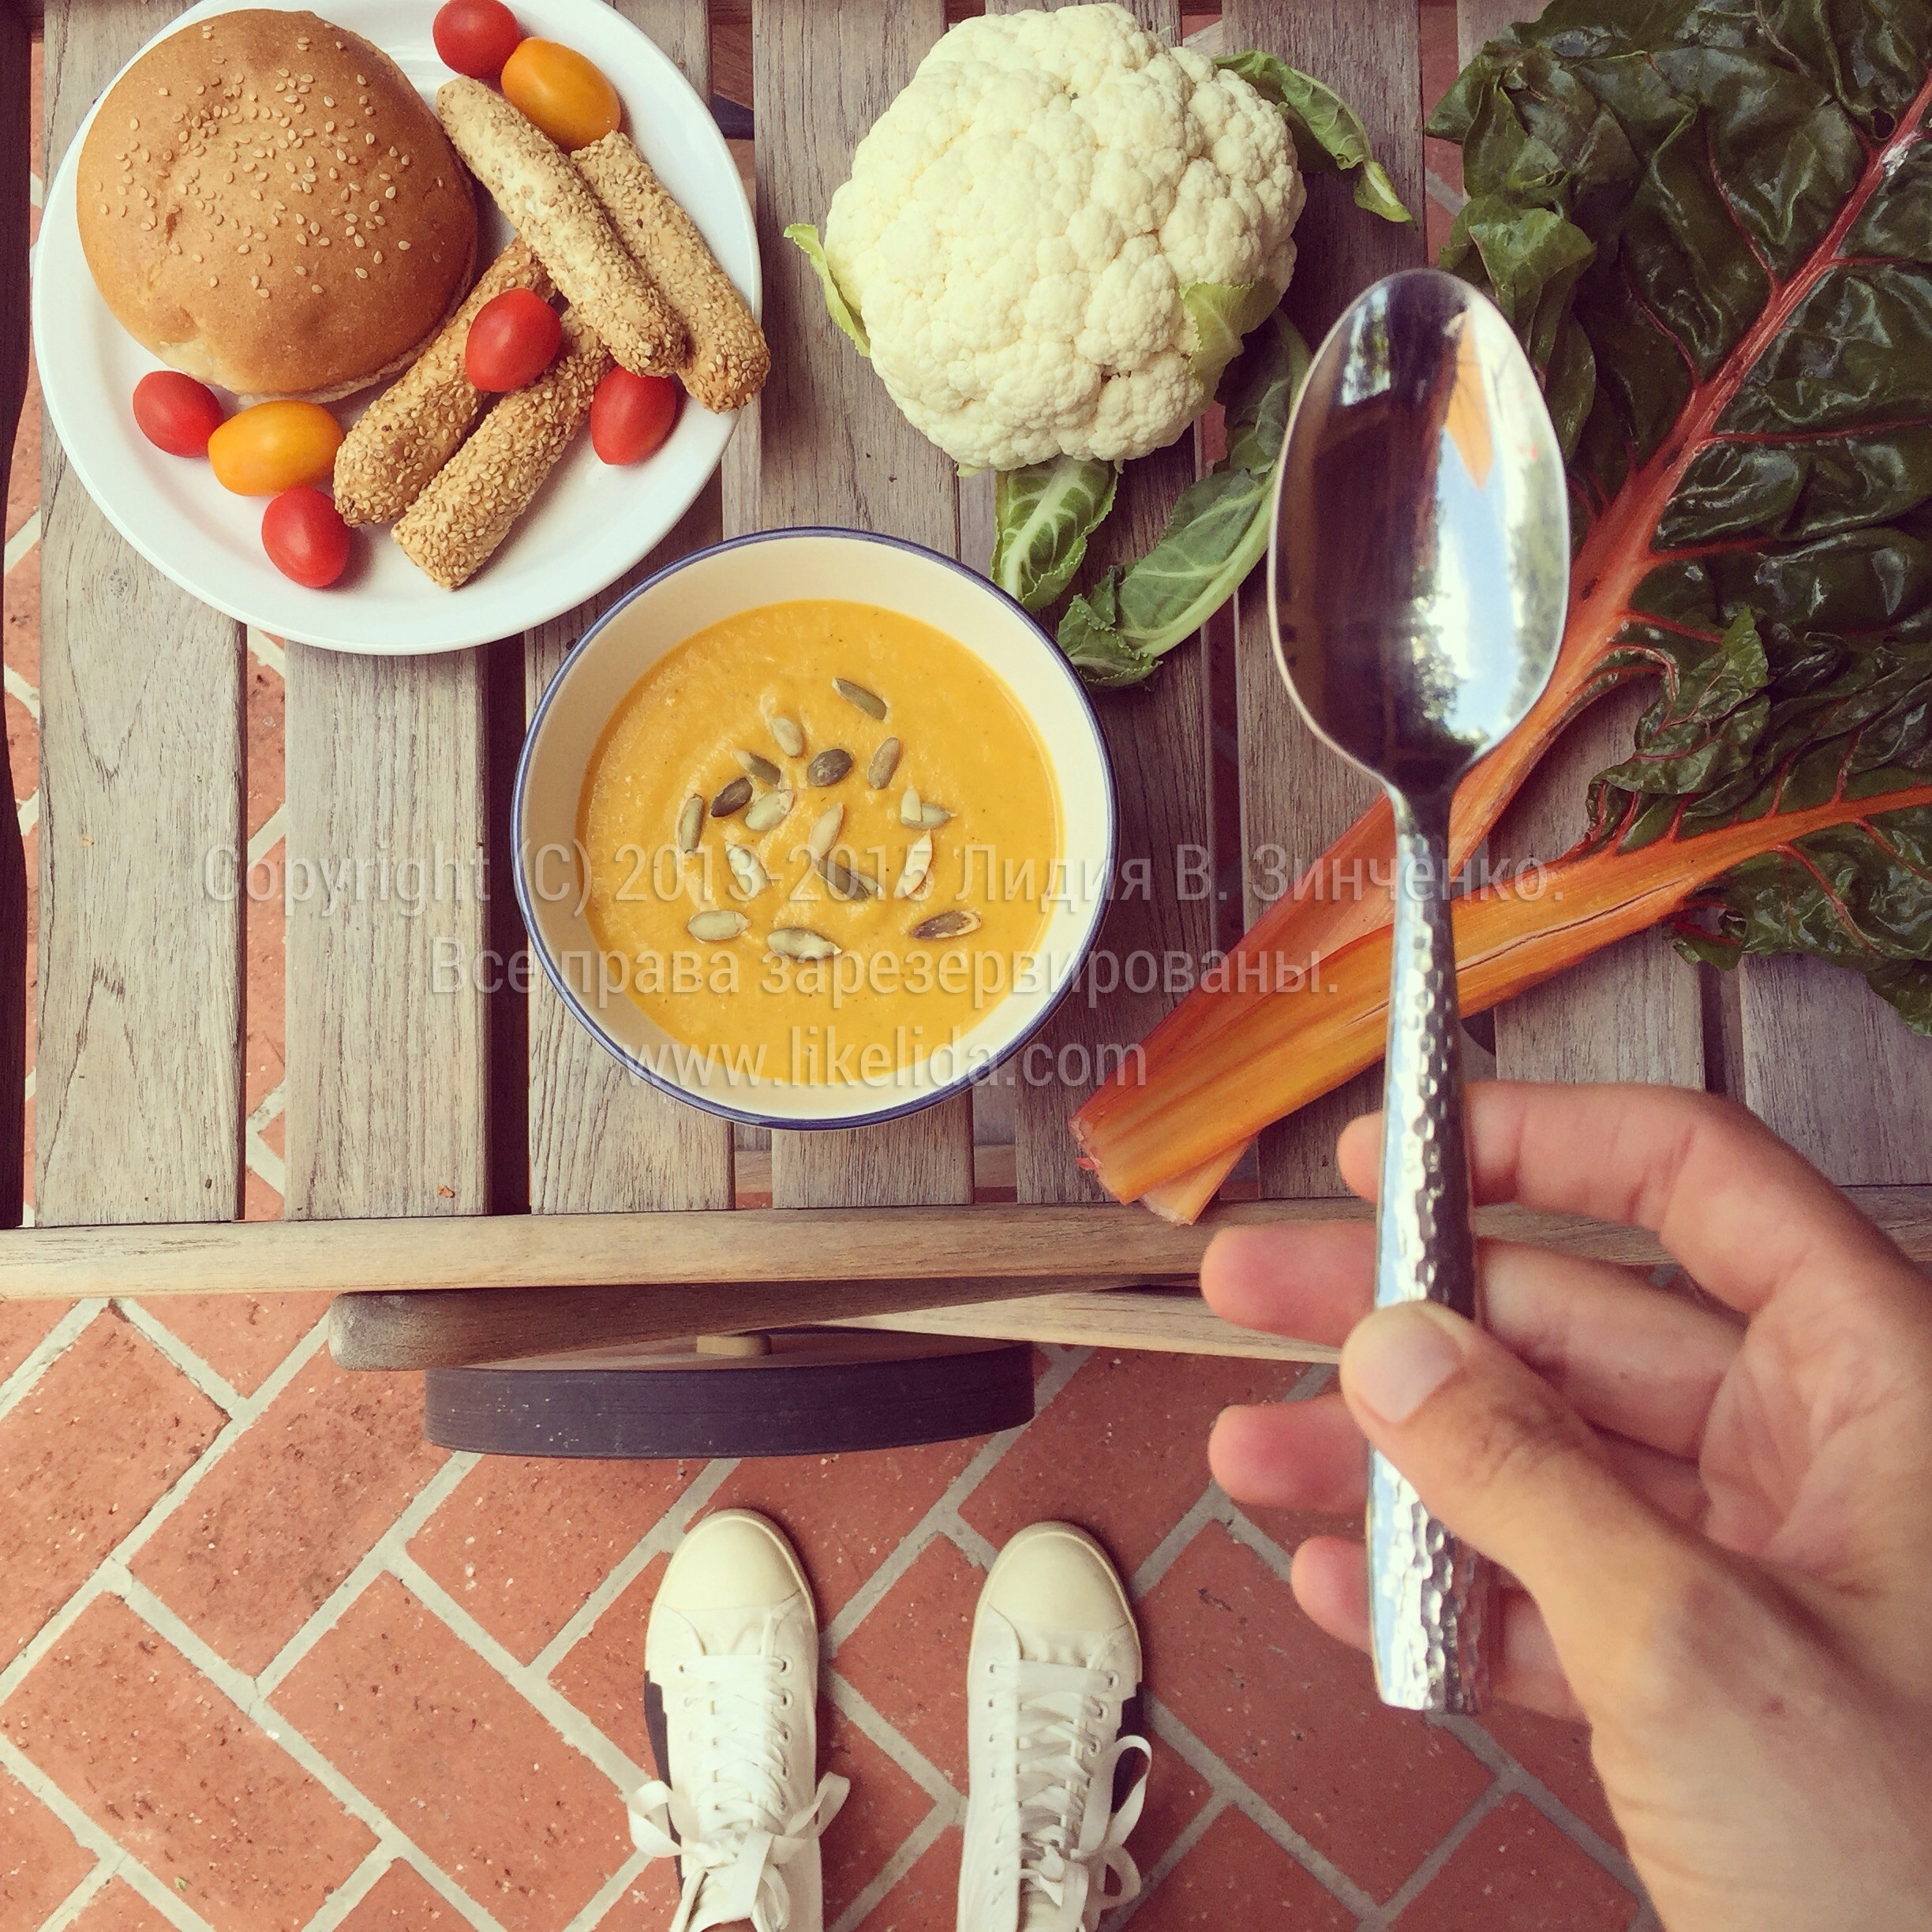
x,y
267,203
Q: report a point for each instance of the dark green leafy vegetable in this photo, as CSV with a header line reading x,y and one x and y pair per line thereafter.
x,y
1329,136
1217,532
1043,515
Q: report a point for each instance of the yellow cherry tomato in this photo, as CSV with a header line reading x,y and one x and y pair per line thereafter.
x,y
556,87
274,447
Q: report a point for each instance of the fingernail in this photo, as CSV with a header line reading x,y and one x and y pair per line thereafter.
x,y
1398,1358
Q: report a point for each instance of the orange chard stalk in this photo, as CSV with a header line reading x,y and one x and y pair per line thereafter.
x,y
1327,1027
1314,922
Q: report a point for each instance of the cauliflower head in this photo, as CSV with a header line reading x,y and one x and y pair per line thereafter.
x,y
1057,233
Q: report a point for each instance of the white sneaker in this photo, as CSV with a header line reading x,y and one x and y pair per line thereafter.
x,y
1055,1656
731,1672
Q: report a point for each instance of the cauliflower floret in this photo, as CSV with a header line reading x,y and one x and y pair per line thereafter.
x,y
1022,222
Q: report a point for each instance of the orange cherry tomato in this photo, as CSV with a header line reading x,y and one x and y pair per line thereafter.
x,y
631,415
305,537
556,87
274,447
512,341
175,413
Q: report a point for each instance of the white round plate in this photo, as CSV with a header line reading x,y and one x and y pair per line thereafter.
x,y
591,522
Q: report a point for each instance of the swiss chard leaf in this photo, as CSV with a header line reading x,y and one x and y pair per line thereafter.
x,y
1328,133
1711,227
1043,515
1217,533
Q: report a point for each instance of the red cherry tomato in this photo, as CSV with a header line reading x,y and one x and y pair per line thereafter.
x,y
305,538
476,37
512,340
175,413
630,415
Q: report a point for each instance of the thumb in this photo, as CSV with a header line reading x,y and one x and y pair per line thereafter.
x,y
1511,1469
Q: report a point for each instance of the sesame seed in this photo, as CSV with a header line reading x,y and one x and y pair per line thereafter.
x,y
214,281
314,288
361,274
389,195
379,257
403,246
328,100
102,209
369,140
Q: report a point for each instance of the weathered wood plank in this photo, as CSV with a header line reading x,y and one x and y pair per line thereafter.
x,y
16,108
727,1256
138,1103
1157,740
390,964
599,1137
1296,795
1832,1068
833,449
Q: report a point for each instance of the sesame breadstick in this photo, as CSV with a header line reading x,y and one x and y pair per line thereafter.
x,y
546,201
453,528
413,428
728,359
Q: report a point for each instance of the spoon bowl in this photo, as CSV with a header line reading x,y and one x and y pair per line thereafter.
x,y
1418,577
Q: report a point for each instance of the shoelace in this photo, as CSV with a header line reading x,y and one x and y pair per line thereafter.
x,y
732,1838
1058,1760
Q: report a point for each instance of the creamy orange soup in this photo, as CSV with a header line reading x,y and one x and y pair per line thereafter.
x,y
902,981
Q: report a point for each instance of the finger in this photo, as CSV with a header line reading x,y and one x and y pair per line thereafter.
x,y
1310,1456
1632,1358
1510,1467
1743,1212
1331,1582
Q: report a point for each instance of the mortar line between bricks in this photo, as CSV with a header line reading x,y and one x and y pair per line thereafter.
x,y
1203,1510
351,1892
840,1693
1405,1894
1191,1835
569,1723
208,1379
240,1690
608,1893
374,1562
1585,1836
912,1849
1206,1765
48,1349
1232,1518
662,1535
98,1876
164,1899
943,1509
164,1506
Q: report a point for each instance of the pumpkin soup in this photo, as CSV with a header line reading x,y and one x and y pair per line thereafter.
x,y
821,838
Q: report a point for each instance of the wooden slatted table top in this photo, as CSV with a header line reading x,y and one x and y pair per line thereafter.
x,y
404,1100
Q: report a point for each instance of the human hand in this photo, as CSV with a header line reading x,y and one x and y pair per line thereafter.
x,y
1717,1521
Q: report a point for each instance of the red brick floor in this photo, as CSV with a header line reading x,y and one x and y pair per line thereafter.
x,y
266,1662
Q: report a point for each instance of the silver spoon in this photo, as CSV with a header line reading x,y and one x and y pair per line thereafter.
x,y
1417,580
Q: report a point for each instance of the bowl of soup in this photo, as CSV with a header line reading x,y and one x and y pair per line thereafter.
x,y
813,829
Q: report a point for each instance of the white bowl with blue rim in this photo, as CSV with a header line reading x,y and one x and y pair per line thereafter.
x,y
723,582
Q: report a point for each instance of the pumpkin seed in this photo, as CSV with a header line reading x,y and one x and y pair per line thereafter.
x,y
761,768
847,882
690,823
800,942
825,832
914,811
947,926
716,927
885,762
829,766
751,877
769,810
869,702
734,798
919,863
787,737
